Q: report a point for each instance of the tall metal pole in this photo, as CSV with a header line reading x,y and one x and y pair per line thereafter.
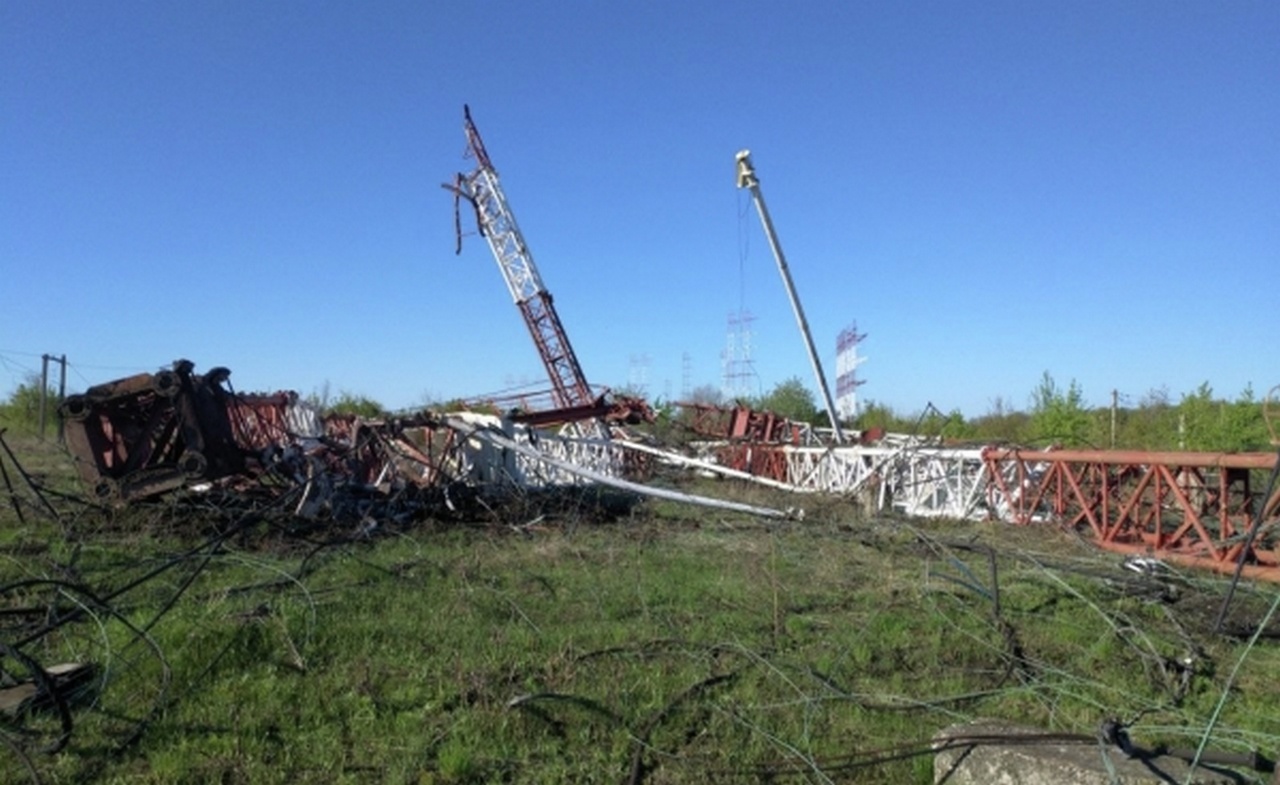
x,y
44,389
62,394
1115,399
747,179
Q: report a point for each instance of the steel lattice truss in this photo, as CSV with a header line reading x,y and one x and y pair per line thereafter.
x,y
912,478
151,433
1194,508
498,225
1191,508
528,458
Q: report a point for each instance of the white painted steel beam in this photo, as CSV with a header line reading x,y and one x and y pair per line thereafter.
x,y
912,479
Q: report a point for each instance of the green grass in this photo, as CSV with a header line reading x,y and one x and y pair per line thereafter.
x,y
669,645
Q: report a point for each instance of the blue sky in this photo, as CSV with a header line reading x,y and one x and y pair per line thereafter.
x,y
991,190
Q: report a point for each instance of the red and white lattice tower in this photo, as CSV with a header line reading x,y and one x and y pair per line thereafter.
x,y
847,362
498,225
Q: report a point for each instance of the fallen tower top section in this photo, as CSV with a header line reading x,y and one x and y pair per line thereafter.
x,y
497,223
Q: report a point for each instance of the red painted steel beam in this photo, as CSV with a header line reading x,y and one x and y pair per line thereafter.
x,y
1235,460
761,460
540,419
569,382
1190,508
742,423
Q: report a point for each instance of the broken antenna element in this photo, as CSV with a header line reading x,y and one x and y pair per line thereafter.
x,y
497,225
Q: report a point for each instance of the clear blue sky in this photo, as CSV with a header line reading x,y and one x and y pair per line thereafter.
x,y
991,190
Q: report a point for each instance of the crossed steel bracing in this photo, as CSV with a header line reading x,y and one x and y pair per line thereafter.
x,y
151,433
1190,508
498,225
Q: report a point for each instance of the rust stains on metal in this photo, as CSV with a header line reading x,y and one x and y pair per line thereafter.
x,y
150,433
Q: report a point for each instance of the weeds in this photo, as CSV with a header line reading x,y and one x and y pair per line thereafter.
x,y
667,646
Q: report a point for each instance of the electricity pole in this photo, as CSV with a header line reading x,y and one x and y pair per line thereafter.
x,y
44,388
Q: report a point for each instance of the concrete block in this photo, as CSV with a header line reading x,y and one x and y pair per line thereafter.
x,y
1054,762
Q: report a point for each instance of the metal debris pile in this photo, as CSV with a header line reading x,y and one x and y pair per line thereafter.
x,y
146,435
187,447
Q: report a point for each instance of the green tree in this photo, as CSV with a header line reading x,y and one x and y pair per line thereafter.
x,y
22,408
1058,416
1002,423
1198,425
954,427
792,400
359,405
707,395
1152,425
934,423
879,415
1244,424
1214,425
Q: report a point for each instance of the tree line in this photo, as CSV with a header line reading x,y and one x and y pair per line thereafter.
x,y
1056,415
1199,420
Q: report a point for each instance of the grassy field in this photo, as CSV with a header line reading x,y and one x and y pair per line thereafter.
x,y
646,642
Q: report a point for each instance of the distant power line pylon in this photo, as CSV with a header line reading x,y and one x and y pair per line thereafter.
x,y
740,377
638,375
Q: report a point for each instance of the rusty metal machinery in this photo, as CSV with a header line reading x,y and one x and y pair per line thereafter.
x,y
497,223
742,423
149,433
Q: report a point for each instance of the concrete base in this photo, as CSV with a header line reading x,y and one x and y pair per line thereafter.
x,y
1055,762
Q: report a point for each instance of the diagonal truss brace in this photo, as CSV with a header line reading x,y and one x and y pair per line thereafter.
x,y
498,225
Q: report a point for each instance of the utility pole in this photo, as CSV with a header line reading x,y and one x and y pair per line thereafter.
x,y
44,389
62,393
747,179
1115,397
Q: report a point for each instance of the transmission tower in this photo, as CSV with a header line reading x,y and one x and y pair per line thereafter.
x,y
847,362
740,377
638,375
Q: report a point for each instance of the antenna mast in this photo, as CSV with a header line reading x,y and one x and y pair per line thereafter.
x,y
747,179
498,225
